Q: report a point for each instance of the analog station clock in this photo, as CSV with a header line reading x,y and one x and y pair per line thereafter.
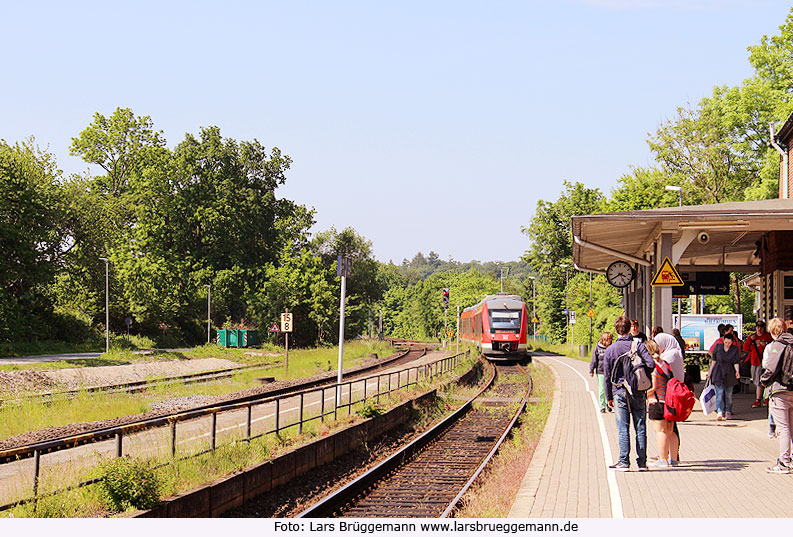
x,y
619,274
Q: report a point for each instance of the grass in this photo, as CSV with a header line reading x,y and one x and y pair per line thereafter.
x,y
494,492
87,407
28,348
181,475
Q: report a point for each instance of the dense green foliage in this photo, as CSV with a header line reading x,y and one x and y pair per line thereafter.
x,y
129,484
717,151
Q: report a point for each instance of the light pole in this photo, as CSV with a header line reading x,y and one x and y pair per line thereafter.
x,y
107,303
679,190
209,310
566,303
343,270
533,309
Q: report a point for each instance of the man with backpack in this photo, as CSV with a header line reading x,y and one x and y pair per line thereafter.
x,y
628,366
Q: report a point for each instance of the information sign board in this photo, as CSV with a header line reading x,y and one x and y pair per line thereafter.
x,y
700,331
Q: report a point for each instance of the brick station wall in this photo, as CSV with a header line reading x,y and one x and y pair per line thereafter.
x,y
228,492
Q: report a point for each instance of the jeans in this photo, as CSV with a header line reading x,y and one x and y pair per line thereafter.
x,y
723,398
625,408
601,390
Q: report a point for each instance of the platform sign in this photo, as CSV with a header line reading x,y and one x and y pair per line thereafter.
x,y
572,317
667,275
286,322
275,328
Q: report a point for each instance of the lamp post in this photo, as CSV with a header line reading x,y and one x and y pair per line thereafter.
x,y
209,310
567,303
533,308
107,303
679,190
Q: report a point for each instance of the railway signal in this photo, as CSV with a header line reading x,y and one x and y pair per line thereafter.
x,y
445,298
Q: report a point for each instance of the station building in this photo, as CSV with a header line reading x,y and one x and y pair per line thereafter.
x,y
754,238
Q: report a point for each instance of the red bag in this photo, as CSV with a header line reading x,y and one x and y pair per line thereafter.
x,y
678,401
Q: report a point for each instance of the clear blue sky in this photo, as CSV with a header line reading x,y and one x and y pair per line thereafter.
x,y
423,125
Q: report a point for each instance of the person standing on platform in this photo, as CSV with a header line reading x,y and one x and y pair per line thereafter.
x,y
672,355
781,401
636,332
627,407
665,437
754,346
596,367
724,374
655,331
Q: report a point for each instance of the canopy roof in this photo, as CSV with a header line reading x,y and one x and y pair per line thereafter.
x,y
732,232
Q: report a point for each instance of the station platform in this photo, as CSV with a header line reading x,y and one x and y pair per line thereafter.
x,y
722,472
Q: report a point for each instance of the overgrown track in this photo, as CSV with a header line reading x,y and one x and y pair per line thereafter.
x,y
70,441
138,386
429,476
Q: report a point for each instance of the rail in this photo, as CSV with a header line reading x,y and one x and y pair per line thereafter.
x,y
384,384
330,504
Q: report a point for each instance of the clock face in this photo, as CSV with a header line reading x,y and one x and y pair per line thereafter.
x,y
619,274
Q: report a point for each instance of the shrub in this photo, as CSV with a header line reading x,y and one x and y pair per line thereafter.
x,y
370,411
129,483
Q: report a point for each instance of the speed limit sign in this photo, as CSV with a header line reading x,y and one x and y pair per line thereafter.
x,y
286,322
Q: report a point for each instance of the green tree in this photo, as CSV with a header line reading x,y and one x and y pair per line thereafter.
x,y
33,237
551,248
365,286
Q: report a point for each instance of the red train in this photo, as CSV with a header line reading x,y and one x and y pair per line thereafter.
x,y
498,326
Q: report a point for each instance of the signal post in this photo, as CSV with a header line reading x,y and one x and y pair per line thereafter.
x,y
286,327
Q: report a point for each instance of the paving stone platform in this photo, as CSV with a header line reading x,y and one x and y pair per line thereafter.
x,y
721,473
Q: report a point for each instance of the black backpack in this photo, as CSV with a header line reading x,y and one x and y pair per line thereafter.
x,y
636,377
785,368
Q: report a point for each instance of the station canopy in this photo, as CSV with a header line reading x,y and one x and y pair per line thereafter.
x,y
730,240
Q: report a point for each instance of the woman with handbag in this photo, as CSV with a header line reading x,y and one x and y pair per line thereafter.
x,y
724,374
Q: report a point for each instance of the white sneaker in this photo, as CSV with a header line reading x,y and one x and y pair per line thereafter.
x,y
719,416
660,463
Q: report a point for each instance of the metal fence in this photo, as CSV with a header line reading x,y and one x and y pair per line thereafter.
x,y
288,411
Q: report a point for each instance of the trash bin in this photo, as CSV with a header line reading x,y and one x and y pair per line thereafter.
x,y
583,351
237,337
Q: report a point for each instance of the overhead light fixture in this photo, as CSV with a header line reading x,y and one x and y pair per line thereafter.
x,y
724,225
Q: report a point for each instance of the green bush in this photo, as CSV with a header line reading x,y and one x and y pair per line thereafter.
x,y
370,411
129,483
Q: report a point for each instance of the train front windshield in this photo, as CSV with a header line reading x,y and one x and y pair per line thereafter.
x,y
504,321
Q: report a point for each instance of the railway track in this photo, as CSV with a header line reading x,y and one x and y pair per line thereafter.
x,y
137,386
428,477
104,433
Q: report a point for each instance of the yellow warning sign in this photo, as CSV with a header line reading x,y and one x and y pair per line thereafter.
x,y
535,320
451,333
666,275
590,313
